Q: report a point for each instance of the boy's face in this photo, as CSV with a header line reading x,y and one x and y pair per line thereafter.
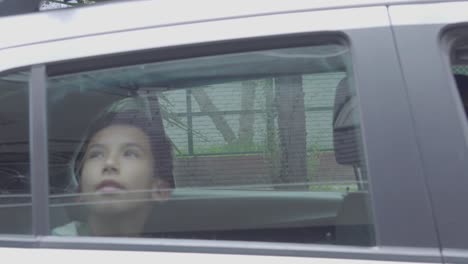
x,y
117,173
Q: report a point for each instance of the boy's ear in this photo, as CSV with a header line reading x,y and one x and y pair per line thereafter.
x,y
161,190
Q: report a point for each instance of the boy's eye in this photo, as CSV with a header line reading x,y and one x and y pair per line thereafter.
x,y
95,154
131,153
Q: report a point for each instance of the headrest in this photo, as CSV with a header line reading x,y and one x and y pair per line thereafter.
x,y
346,127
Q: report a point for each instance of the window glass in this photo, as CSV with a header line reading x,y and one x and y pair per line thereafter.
x,y
254,146
15,198
459,60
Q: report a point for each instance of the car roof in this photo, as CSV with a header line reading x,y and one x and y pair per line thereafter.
x,y
124,15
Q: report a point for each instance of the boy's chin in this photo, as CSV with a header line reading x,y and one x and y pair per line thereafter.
x,y
112,208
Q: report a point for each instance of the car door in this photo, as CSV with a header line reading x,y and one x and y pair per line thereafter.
x,y
403,228
429,39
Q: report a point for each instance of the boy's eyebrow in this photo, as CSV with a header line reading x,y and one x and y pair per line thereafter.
x,y
96,145
132,144
129,144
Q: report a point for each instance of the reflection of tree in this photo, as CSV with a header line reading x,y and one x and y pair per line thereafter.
x,y
206,105
46,3
292,129
247,120
57,4
271,139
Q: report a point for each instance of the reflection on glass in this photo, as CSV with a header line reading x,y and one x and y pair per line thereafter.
x,y
266,147
459,61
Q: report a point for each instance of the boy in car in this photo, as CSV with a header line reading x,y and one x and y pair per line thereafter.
x,y
123,164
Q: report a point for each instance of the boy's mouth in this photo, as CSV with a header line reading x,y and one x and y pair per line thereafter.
x,y
109,186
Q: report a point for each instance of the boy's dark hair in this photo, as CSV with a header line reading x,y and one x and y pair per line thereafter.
x,y
143,113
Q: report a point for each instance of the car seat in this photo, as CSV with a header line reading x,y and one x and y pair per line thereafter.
x,y
353,225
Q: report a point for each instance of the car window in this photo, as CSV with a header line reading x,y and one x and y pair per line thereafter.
x,y
459,60
15,199
250,146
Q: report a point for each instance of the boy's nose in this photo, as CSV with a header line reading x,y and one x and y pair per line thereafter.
x,y
111,163
110,170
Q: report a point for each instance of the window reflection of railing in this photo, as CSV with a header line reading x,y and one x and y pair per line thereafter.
x,y
14,200
190,131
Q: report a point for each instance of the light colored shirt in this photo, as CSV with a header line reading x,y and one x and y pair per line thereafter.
x,y
74,228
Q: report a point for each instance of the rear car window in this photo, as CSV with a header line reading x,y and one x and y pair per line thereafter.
x,y
459,61
250,146
15,194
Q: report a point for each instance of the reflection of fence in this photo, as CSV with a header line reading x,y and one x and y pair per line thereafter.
x,y
460,69
290,126
208,117
222,170
189,115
